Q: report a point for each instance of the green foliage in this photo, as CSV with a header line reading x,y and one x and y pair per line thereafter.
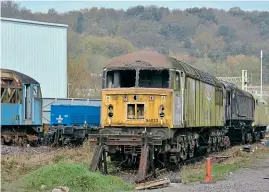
x,y
173,31
110,47
205,64
135,11
204,14
75,176
236,11
260,20
227,32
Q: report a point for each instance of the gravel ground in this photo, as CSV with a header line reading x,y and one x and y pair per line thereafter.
x,y
11,150
243,180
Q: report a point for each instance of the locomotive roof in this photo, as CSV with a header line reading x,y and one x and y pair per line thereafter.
x,y
151,59
232,86
25,79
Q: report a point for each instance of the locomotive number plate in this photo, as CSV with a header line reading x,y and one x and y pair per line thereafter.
x,y
151,120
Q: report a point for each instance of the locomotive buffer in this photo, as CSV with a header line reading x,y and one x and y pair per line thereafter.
x,y
146,164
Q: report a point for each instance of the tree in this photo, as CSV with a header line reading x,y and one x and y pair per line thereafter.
x,y
208,42
79,23
234,65
236,11
52,11
135,11
206,65
227,33
173,31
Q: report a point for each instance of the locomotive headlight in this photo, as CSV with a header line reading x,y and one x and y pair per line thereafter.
x,y
110,110
110,107
161,112
125,98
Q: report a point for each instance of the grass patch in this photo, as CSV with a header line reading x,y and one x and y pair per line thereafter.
x,y
75,176
16,166
239,159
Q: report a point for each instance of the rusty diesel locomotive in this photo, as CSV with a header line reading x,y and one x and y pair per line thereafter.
x,y
160,109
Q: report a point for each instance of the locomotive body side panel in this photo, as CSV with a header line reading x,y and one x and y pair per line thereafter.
x,y
204,104
239,105
10,114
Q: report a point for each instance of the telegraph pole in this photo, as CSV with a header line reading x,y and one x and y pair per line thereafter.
x,y
261,73
244,80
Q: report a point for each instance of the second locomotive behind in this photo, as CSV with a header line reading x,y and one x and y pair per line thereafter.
x,y
187,111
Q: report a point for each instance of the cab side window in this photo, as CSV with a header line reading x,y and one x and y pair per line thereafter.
x,y
177,83
36,91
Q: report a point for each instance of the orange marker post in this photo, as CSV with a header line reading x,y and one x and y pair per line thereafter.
x,y
208,178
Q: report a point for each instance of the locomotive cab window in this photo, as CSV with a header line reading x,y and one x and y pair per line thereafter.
x,y
228,98
36,92
120,78
153,78
177,81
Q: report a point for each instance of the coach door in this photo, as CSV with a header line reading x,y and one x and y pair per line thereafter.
x,y
37,105
28,104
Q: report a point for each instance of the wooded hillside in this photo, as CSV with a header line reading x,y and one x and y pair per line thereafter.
x,y
220,42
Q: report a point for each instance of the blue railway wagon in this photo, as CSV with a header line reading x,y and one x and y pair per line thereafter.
x,y
75,115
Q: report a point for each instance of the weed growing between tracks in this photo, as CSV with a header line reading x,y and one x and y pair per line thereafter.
x,y
238,159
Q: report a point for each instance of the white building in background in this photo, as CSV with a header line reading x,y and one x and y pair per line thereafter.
x,y
38,50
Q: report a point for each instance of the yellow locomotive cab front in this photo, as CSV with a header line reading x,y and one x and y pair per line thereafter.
x,y
136,107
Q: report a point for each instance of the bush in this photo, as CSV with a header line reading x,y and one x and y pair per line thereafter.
x,y
76,177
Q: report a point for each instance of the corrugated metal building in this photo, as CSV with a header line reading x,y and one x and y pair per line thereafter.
x,y
38,50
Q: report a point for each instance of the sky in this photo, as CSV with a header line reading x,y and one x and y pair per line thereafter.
x,y
64,6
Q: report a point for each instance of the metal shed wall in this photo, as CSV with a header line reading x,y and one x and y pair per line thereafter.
x,y
38,50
